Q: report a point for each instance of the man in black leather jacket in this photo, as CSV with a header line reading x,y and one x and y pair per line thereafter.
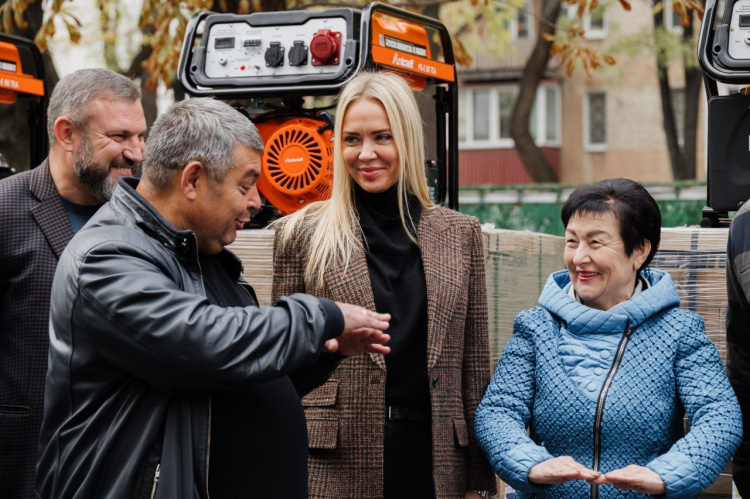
x,y
138,342
738,336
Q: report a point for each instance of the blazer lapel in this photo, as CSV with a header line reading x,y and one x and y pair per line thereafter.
x,y
353,286
49,213
443,264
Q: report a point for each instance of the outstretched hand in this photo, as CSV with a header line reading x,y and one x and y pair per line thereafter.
x,y
637,478
560,470
363,332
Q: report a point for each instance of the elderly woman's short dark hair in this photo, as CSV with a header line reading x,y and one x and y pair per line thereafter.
x,y
629,202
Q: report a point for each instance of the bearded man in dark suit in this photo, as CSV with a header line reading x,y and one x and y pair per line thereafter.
x,y
96,129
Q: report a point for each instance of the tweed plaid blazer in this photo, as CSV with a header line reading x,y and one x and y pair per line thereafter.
x,y
345,416
34,230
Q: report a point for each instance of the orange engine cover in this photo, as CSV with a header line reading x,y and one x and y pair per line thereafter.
x,y
297,163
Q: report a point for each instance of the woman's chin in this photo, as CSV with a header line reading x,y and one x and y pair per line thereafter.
x,y
587,295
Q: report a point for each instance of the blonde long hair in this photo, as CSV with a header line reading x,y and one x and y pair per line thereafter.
x,y
332,227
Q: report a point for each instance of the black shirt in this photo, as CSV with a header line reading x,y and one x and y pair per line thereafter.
x,y
396,273
258,433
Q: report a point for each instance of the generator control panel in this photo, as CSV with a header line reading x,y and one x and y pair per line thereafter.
x,y
271,51
729,46
739,31
237,50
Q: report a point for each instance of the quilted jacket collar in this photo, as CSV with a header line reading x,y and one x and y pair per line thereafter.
x,y
581,319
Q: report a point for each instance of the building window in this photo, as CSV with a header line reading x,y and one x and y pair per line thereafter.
x,y
672,22
523,22
519,26
463,103
595,125
506,99
552,119
481,114
484,116
595,24
678,106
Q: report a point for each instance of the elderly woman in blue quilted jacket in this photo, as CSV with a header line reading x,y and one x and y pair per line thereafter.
x,y
600,372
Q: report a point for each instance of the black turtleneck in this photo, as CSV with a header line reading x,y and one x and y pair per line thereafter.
x,y
258,432
395,266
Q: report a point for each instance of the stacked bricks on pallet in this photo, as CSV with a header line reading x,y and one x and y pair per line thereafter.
x,y
255,249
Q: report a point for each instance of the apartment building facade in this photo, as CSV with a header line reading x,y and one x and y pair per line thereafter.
x,y
589,128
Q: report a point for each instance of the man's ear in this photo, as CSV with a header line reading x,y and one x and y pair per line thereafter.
x,y
192,175
65,133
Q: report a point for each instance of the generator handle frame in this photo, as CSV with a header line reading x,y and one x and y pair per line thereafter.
x,y
186,55
232,89
713,73
445,39
37,112
447,101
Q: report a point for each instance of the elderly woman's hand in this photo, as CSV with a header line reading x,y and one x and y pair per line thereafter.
x,y
637,478
560,470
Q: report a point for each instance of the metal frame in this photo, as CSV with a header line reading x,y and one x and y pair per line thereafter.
x,y
358,51
37,112
717,66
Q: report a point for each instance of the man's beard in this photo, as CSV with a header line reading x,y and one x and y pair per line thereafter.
x,y
95,177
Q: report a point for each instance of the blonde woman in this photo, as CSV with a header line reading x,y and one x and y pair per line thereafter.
x,y
399,425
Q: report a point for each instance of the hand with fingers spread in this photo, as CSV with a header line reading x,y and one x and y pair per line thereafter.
x,y
363,332
637,478
560,470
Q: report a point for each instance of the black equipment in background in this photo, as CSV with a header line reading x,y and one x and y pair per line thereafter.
x,y
22,75
728,152
724,56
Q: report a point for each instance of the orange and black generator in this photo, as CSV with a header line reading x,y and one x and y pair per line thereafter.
x,y
281,68
22,75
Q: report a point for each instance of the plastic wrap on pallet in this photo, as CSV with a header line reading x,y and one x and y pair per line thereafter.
x,y
696,260
519,262
255,249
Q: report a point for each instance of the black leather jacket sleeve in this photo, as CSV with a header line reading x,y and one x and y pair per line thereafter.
x,y
141,319
738,336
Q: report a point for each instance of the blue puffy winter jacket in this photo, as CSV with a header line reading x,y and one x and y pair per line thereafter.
x,y
637,366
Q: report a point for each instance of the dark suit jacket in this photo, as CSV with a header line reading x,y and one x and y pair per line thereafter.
x,y
345,416
34,230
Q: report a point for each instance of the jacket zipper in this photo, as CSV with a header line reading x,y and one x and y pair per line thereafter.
x,y
208,433
600,404
208,446
156,480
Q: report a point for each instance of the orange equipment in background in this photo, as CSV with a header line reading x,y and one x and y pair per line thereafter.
x,y
297,162
275,63
22,75
12,78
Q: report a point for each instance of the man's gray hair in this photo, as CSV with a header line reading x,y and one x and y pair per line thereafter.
x,y
201,129
74,93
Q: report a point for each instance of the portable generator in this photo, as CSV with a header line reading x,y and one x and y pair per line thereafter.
x,y
22,75
724,56
279,62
